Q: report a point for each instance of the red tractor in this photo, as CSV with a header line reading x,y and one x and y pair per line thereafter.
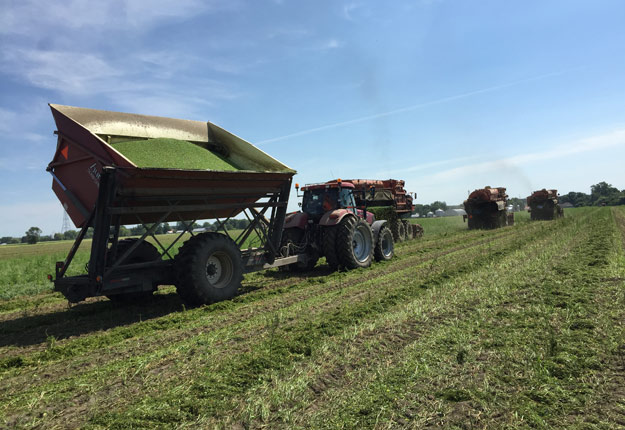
x,y
331,226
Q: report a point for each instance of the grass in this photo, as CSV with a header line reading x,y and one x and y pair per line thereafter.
x,y
511,328
172,154
24,268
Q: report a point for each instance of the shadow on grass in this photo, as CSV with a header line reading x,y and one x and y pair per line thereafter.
x,y
82,319
318,271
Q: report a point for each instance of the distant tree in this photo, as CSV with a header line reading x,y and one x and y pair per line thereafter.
x,y
182,226
58,236
123,231
577,199
603,194
438,205
515,201
137,230
8,239
32,235
70,235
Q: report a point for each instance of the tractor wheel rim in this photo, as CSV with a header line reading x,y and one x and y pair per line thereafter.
x,y
360,245
219,270
387,245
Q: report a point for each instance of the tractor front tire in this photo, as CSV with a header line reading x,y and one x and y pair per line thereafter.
x,y
208,269
354,243
143,253
384,248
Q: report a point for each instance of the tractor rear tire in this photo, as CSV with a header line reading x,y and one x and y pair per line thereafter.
x,y
329,246
295,236
384,248
208,269
354,243
143,253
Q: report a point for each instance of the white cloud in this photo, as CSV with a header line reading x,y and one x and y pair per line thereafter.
x,y
349,9
35,18
594,143
67,72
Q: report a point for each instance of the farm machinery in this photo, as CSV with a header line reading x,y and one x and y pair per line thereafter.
x,y
544,205
332,225
486,208
101,188
106,175
388,200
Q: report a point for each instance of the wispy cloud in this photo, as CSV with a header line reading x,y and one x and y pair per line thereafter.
x,y
590,144
411,108
349,9
56,70
426,166
33,18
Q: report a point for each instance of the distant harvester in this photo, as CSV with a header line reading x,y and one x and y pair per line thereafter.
x,y
544,205
486,208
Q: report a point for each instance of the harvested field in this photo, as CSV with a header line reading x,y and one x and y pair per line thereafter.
x,y
518,327
167,153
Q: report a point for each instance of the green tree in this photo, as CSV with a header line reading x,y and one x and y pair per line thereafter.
x,y
33,234
603,194
70,235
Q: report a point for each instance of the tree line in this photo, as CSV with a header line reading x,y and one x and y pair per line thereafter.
x,y
34,234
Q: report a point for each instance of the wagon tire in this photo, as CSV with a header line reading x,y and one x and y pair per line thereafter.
x,y
418,230
143,253
398,230
384,248
208,269
354,243
408,229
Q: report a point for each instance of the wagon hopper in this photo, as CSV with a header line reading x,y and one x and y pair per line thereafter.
x,y
388,200
102,186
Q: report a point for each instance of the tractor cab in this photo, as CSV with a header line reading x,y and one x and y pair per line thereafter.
x,y
321,198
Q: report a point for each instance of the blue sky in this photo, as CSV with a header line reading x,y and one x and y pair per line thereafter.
x,y
448,95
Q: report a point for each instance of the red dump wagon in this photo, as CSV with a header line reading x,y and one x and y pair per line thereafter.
x,y
486,208
100,187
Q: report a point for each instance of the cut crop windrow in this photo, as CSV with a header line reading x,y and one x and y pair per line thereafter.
x,y
331,323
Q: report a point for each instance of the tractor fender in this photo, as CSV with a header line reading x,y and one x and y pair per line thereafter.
x,y
296,220
334,217
376,227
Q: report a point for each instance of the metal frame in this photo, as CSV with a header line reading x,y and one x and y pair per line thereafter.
x,y
103,278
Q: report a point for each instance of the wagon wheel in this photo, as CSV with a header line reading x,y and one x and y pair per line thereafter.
x,y
418,229
208,269
408,229
398,230
354,243
384,248
143,253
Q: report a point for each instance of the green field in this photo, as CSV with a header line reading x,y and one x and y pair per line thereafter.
x,y
520,327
